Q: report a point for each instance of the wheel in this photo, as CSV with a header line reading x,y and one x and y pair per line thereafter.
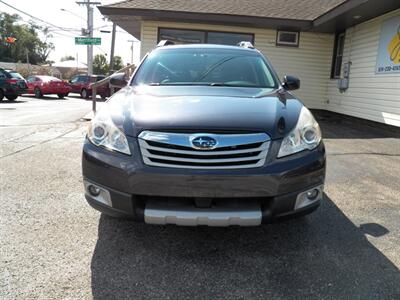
x,y
1,94
38,93
12,98
60,96
66,94
84,94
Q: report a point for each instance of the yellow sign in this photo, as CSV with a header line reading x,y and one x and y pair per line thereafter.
x,y
388,58
394,47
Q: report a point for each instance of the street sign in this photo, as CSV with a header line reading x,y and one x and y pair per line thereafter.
x,y
87,41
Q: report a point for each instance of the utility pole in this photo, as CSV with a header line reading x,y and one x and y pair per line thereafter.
x,y
27,61
132,41
89,7
112,48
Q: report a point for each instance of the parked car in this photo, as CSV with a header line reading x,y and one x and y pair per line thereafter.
x,y
12,84
40,85
204,135
80,84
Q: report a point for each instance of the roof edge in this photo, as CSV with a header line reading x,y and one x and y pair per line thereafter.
x,y
336,11
249,21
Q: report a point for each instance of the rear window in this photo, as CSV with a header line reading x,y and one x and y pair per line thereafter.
x,y
206,67
16,75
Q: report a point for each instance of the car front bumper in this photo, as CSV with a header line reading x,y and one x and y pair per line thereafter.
x,y
129,188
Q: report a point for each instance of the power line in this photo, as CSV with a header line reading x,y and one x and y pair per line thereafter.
x,y
50,30
36,18
64,29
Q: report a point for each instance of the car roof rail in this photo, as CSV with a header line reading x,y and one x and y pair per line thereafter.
x,y
245,44
163,43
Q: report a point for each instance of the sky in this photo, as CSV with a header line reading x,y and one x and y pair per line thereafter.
x,y
74,17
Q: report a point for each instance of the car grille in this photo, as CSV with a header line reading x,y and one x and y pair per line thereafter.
x,y
175,150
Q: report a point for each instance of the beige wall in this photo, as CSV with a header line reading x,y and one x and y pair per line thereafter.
x,y
370,96
310,62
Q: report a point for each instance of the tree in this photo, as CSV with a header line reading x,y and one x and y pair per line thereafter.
x,y
100,65
27,41
67,57
118,63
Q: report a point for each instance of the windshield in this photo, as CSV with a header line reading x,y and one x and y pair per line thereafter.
x,y
48,78
213,67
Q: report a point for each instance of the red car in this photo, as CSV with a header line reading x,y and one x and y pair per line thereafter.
x,y
45,85
80,84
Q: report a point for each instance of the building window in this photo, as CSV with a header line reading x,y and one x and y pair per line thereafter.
x,y
224,38
338,55
181,36
184,36
287,38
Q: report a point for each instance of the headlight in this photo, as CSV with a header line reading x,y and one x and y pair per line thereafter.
x,y
306,135
102,132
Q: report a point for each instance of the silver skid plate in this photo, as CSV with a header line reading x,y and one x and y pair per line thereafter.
x,y
160,213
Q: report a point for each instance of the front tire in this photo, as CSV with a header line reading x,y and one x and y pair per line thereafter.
x,y
84,94
38,93
61,96
1,94
12,98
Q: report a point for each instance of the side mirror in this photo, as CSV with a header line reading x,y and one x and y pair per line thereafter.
x,y
118,80
291,83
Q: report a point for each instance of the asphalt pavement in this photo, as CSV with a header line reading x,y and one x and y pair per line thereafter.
x,y
53,245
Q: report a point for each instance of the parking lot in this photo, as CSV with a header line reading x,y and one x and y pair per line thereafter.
x,y
53,245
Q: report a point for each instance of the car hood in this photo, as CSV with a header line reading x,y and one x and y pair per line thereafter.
x,y
204,109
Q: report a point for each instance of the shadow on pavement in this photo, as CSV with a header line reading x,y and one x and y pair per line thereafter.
x,y
5,101
98,99
337,126
324,255
46,97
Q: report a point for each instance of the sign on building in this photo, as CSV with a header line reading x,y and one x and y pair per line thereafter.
x,y
87,41
388,60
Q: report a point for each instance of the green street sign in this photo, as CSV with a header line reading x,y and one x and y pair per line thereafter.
x,y
87,41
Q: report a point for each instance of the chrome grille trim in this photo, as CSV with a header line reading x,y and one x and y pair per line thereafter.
x,y
203,159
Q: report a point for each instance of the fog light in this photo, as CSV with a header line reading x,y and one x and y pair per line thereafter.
x,y
309,197
313,194
94,190
97,193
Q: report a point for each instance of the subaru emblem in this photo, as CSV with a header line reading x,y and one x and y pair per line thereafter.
x,y
204,142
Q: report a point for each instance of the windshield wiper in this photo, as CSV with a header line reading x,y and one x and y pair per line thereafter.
x,y
214,66
219,84
235,85
176,83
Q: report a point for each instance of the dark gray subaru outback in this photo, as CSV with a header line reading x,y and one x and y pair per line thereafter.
x,y
204,135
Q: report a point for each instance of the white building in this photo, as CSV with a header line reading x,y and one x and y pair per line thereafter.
x,y
346,53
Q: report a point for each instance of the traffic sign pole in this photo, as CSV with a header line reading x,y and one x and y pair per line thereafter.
x,y
90,31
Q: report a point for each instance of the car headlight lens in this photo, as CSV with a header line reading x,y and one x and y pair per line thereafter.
x,y
306,135
103,132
